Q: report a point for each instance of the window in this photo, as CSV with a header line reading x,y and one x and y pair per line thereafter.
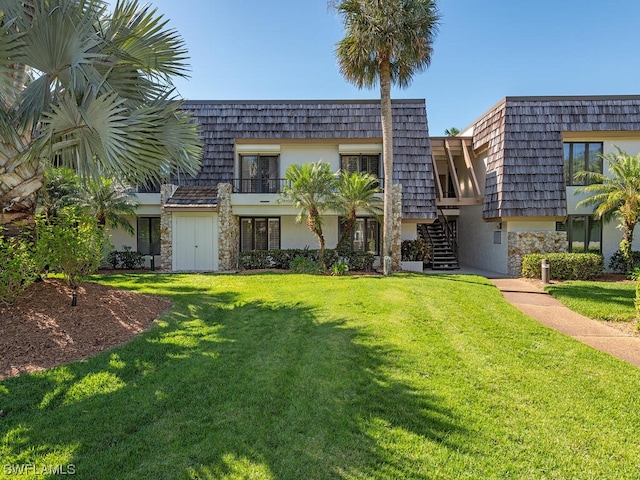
x,y
584,233
149,235
365,236
259,234
580,157
259,174
361,163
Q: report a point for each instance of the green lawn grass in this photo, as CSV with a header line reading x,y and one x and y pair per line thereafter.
x,y
608,301
310,377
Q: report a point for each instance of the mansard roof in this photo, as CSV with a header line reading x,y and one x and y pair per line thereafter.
x,y
523,139
223,122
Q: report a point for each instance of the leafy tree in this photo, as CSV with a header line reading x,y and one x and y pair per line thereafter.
x,y
311,190
89,89
616,195
355,192
72,243
451,132
61,189
387,42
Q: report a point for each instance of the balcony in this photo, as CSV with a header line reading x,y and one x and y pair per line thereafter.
x,y
264,185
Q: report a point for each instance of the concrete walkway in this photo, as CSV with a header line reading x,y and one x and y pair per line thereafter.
x,y
541,306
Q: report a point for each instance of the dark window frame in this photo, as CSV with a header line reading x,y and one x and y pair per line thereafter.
x,y
362,157
367,220
589,221
261,183
569,161
253,239
154,246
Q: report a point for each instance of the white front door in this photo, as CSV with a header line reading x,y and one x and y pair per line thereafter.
x,y
194,242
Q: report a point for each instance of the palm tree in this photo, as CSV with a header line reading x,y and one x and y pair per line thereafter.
x,y
386,41
451,132
616,195
88,89
109,202
355,192
311,190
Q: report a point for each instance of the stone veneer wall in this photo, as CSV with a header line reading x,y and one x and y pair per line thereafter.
x,y
228,230
166,230
396,241
523,243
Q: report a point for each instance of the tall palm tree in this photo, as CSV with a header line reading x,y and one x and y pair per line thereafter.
x,y
387,41
616,195
88,89
311,190
451,132
355,192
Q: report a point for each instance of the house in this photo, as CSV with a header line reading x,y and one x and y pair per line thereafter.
x,y
527,150
500,189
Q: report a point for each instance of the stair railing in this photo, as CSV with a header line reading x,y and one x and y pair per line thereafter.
x,y
448,232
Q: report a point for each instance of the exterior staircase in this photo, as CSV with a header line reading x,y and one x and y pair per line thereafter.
x,y
443,248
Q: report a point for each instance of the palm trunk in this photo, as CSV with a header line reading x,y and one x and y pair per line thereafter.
x,y
626,246
387,148
19,187
348,229
315,225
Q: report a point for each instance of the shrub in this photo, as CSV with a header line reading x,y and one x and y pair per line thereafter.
x,y
305,265
281,259
71,243
339,268
617,263
17,269
564,266
129,259
415,250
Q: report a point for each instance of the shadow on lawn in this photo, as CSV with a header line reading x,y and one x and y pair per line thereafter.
x,y
221,387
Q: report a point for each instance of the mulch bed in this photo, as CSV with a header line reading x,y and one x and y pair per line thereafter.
x,y
42,329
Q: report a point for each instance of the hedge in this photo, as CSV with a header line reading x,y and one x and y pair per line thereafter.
x,y
281,259
564,266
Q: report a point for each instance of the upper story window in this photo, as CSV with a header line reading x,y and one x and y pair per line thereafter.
x,y
361,163
259,174
581,157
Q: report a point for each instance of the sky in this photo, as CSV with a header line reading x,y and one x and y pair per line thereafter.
x,y
484,51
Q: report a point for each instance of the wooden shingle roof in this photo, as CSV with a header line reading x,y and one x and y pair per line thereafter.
x,y
222,122
193,196
523,140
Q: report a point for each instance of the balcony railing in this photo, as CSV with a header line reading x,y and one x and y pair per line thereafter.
x,y
263,185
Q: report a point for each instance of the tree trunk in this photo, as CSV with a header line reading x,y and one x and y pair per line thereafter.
x,y
20,183
626,246
387,149
350,221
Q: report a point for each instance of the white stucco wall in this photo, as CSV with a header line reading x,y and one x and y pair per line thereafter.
x,y
409,231
297,235
476,245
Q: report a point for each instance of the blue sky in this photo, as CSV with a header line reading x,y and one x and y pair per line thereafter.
x,y
485,50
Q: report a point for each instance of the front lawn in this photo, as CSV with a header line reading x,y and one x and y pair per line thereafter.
x,y
608,301
298,377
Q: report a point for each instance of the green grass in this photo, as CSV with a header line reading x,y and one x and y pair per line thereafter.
x,y
608,301
311,377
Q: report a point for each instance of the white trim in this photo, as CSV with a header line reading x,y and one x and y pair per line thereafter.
x,y
257,149
355,148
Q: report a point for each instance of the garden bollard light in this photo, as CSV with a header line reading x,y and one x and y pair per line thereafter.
x,y
545,271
